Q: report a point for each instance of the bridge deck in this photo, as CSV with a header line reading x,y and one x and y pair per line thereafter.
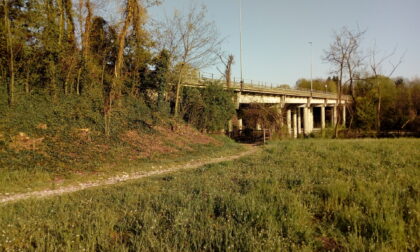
x,y
201,81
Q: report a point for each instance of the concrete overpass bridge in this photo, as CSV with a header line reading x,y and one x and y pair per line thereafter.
x,y
304,111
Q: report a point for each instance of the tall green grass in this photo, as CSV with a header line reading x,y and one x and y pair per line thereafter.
x,y
306,195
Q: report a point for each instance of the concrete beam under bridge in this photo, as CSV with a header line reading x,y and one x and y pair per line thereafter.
x,y
247,98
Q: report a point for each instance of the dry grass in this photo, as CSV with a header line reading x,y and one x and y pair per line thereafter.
x,y
164,141
22,142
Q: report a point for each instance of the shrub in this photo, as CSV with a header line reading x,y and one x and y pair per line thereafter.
x,y
209,108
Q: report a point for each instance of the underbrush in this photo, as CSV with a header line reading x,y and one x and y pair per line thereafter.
x,y
311,195
44,144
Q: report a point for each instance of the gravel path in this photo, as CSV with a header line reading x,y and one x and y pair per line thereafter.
x,y
122,178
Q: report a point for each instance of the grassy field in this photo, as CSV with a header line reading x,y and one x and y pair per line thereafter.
x,y
305,195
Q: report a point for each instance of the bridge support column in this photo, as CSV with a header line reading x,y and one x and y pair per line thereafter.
x,y
299,121
279,109
305,120
240,123
289,121
230,126
311,120
323,117
344,115
308,120
334,116
295,124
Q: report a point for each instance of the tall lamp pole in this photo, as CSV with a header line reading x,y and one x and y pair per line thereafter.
x,y
241,49
311,70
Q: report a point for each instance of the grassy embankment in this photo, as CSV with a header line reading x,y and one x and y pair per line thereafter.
x,y
69,162
46,145
296,195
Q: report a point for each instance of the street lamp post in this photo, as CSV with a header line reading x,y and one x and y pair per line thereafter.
x,y
241,49
311,70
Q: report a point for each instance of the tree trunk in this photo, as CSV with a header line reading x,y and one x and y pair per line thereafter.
x,y
116,88
78,81
353,96
86,33
103,73
116,84
27,81
61,24
337,120
178,89
228,71
68,76
9,45
378,111
53,80
68,6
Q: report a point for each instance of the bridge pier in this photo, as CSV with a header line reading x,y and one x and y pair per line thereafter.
x,y
334,116
308,120
323,117
279,107
344,115
295,124
240,125
289,121
299,121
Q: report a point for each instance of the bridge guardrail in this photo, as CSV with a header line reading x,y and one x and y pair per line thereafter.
x,y
200,78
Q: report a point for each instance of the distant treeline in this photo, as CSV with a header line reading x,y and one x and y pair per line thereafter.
x,y
380,103
399,101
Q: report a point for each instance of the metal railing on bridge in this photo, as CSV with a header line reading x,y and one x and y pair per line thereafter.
x,y
202,78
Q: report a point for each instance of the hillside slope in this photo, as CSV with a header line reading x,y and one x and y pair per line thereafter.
x,y
44,145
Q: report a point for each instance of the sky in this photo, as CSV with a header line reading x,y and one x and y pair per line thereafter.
x,y
276,33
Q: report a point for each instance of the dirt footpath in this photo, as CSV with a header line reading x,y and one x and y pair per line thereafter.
x,y
122,178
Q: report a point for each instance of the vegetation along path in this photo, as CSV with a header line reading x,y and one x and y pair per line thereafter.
x,y
250,149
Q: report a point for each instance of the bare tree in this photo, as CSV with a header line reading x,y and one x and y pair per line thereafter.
x,y
227,73
345,56
191,40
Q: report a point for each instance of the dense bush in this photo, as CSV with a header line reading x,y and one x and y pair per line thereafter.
x,y
70,113
209,108
268,117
